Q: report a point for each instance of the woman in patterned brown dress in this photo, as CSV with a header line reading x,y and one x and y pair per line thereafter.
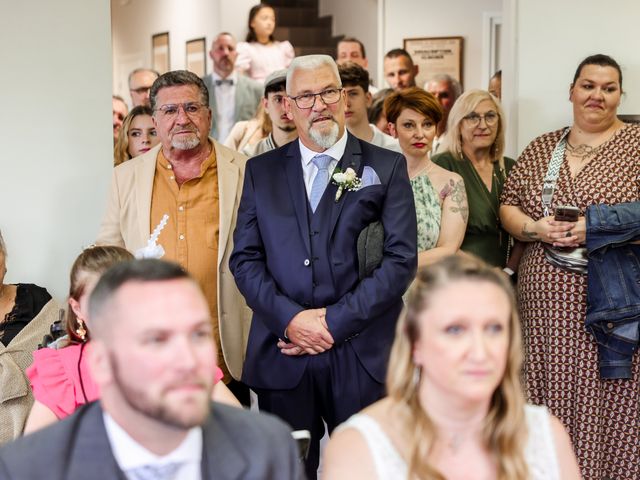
x,y
601,165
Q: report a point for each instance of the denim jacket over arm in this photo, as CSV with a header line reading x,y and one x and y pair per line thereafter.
x,y
613,285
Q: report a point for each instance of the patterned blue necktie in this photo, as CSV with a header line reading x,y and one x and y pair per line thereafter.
x,y
155,472
321,181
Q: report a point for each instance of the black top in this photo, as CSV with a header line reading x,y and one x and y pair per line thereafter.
x,y
30,299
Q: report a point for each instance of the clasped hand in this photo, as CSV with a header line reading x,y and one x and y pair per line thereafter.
x,y
308,334
561,234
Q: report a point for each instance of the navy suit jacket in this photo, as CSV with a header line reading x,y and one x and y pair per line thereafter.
x,y
237,444
273,268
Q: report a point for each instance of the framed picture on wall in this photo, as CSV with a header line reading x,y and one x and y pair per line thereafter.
x,y
160,58
196,57
436,55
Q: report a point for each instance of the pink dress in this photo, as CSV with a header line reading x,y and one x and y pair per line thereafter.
x,y
60,379
258,60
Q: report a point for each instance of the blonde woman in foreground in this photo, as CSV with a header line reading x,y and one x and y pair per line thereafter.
x,y
455,408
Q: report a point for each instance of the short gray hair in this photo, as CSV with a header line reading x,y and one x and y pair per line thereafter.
x,y
178,78
311,62
454,84
138,70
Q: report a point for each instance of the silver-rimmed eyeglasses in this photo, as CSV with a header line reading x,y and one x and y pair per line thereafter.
x,y
308,100
171,110
490,118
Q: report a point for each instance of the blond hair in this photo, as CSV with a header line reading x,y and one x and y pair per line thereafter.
x,y
465,104
121,150
504,431
94,260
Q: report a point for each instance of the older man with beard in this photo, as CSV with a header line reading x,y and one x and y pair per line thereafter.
x,y
322,325
196,182
153,359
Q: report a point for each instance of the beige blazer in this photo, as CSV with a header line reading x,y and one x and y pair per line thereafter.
x,y
16,397
126,223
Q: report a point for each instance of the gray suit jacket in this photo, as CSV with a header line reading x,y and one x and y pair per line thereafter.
x,y
238,444
248,95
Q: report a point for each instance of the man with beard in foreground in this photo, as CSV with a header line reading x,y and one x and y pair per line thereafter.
x,y
153,357
196,182
322,327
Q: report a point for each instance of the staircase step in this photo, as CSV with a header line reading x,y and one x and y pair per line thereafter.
x,y
296,16
315,50
305,36
294,3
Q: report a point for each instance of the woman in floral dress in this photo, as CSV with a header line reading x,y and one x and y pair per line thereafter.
x,y
600,166
440,198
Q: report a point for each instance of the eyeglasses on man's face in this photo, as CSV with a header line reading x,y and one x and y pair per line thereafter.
x,y
490,119
308,100
170,110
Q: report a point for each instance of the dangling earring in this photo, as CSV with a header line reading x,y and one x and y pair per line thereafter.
x,y
81,332
417,374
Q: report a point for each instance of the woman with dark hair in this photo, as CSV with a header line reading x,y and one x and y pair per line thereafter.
x,y
137,135
557,182
60,377
262,54
440,199
455,408
26,312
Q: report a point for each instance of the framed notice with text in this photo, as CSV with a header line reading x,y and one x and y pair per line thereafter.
x,y
436,55
196,57
160,52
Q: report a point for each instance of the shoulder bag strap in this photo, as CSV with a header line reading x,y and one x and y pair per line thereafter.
x,y
551,178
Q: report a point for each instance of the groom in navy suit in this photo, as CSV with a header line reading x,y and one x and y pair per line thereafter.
x,y
321,332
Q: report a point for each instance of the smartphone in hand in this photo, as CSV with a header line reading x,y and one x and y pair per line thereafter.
x,y
566,213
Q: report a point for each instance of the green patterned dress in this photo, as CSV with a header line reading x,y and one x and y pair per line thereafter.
x,y
428,211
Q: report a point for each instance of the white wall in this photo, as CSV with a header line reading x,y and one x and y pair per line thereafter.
x,y
135,21
552,38
435,18
359,19
56,134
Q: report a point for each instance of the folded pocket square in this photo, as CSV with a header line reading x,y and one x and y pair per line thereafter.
x,y
369,177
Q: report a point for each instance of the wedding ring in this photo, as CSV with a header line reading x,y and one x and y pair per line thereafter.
x,y
568,234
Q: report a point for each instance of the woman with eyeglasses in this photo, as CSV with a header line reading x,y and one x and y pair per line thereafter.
x,y
440,198
473,147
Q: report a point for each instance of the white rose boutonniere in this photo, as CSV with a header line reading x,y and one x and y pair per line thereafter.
x,y
347,180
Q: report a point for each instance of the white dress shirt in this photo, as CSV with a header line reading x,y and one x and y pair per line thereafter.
x,y
309,170
129,454
225,104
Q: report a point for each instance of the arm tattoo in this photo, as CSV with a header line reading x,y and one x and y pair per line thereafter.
x,y
458,196
530,235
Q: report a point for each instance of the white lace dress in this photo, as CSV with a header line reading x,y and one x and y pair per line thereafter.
x,y
540,451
